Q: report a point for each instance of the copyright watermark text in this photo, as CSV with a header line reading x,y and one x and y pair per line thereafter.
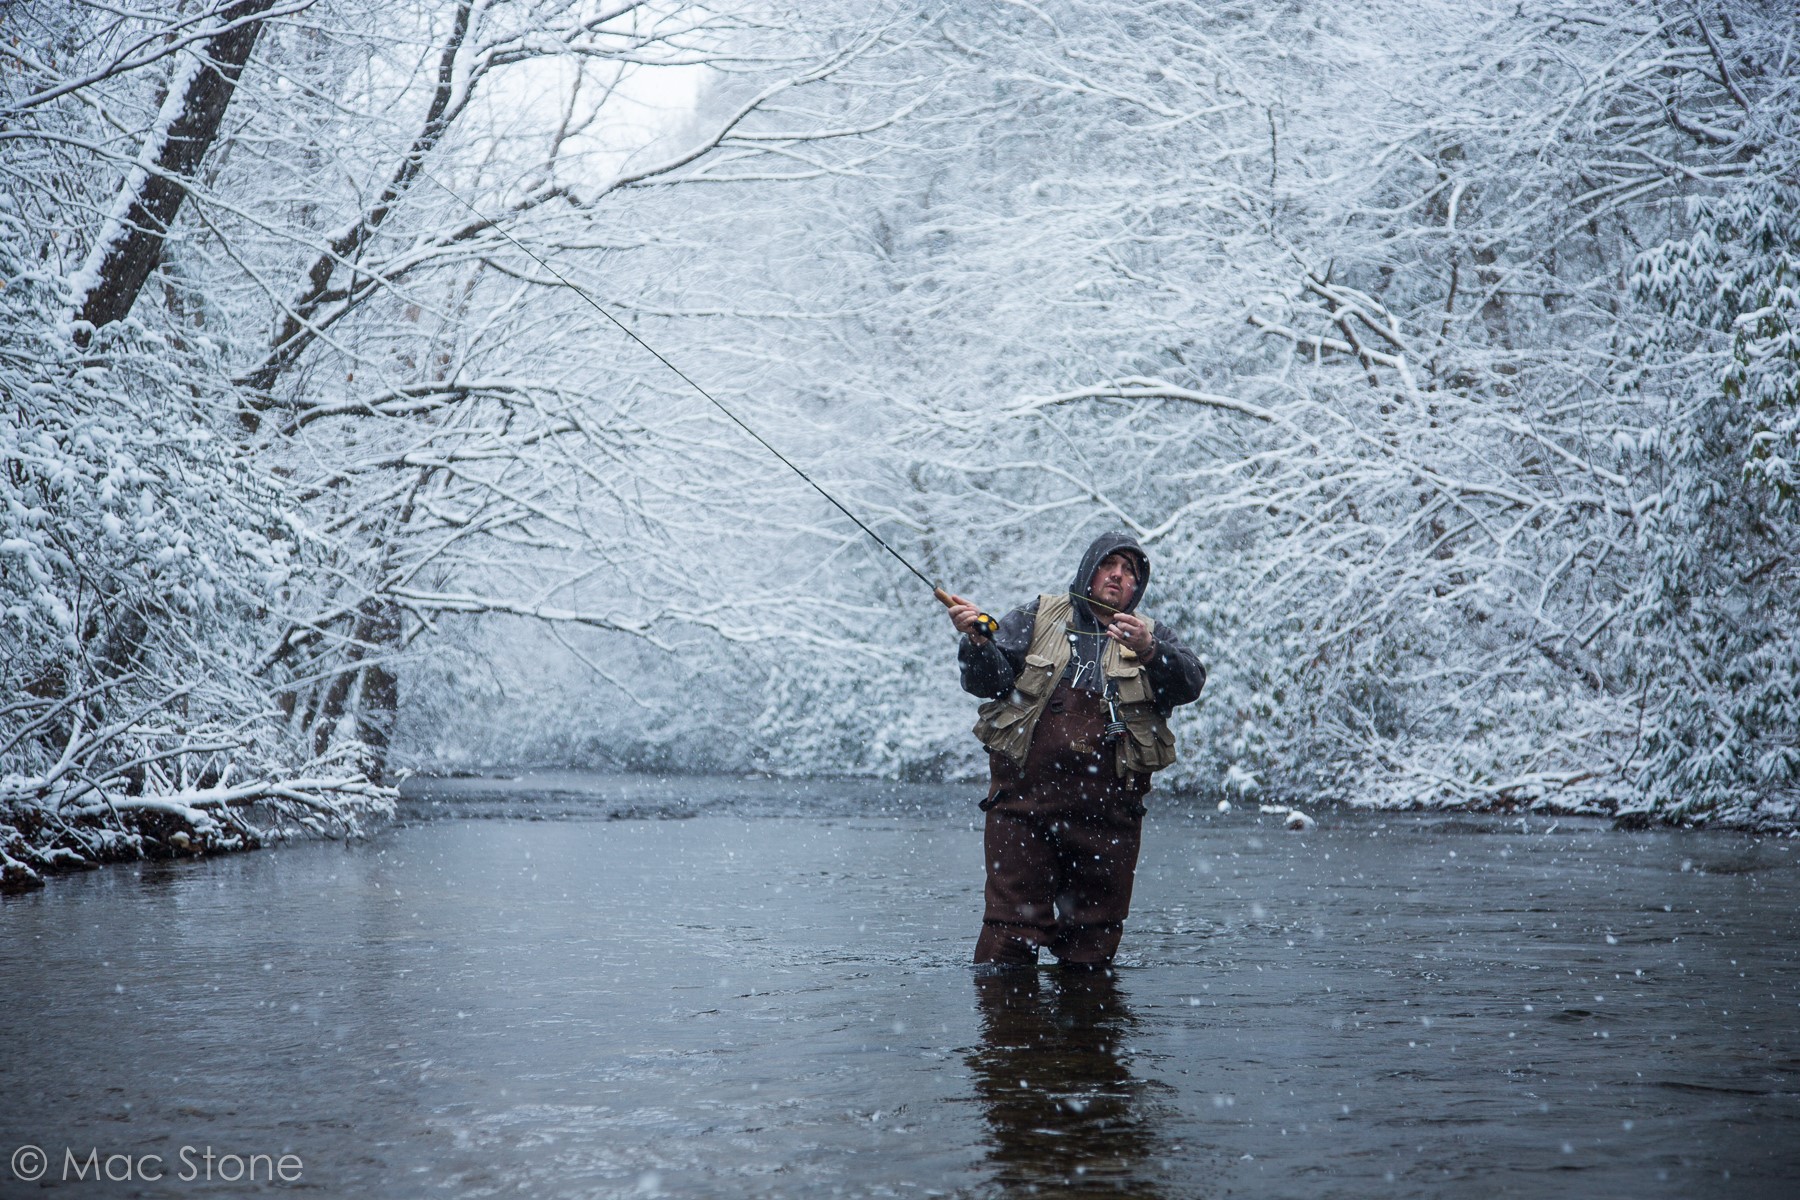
x,y
190,1164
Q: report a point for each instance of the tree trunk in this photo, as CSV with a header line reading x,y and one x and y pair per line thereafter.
x,y
129,249
367,690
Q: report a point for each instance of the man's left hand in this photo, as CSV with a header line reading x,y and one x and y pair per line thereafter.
x,y
1130,632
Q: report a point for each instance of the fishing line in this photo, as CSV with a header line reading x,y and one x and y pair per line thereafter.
x,y
714,400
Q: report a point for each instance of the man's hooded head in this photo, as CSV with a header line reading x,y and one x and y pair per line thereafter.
x,y
1112,542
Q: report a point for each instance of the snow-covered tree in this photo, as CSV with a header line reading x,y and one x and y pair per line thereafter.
x,y
1439,353
1339,324
348,238
1721,367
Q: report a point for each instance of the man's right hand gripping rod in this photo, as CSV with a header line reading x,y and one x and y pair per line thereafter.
x,y
985,625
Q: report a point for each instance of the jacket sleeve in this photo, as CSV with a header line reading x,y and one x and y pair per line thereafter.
x,y
988,670
1176,673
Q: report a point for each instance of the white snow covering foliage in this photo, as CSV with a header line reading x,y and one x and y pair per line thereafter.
x,y
135,555
1447,376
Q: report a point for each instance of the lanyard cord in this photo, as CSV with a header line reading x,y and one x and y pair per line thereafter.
x,y
1092,605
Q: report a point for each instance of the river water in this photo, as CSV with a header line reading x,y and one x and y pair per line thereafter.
x,y
582,986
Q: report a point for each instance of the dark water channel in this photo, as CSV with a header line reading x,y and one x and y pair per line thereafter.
x,y
715,988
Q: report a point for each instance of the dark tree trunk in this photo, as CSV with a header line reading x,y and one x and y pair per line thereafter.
x,y
376,632
136,247
380,702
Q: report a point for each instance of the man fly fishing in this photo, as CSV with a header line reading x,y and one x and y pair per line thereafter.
x,y
1079,688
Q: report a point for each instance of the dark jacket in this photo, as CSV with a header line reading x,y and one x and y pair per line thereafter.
x,y
1175,673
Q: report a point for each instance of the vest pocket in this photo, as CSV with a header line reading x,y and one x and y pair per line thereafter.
x,y
999,715
1151,746
996,724
1133,687
1035,679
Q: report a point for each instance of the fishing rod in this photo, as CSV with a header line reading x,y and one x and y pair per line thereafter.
x,y
984,624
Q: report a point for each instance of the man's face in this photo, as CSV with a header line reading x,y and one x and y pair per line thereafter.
x,y
1114,581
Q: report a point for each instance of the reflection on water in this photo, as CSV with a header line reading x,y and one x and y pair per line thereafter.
x,y
1054,1077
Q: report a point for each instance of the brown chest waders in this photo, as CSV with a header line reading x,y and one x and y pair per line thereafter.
x,y
1061,842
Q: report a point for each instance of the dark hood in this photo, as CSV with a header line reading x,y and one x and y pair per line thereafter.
x,y
1112,542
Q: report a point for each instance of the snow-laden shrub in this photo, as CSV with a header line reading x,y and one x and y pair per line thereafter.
x,y
1716,616
139,556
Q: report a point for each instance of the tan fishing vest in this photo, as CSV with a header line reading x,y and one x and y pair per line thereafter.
x,y
1006,725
